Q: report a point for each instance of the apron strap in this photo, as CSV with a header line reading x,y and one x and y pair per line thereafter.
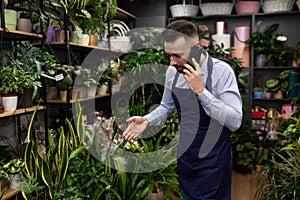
x,y
209,70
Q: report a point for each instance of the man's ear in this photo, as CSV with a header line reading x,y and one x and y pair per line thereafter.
x,y
202,58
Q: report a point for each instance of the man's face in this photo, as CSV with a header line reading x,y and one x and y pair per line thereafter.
x,y
178,52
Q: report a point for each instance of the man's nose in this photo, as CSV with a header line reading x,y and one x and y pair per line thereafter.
x,y
173,60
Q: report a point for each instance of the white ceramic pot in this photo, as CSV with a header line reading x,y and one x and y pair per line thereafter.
x,y
13,180
91,92
10,103
85,39
102,89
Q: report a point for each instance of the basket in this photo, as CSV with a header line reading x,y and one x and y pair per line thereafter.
x,y
247,7
209,9
272,6
184,10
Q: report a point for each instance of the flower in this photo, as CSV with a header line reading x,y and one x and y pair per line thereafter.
x,y
281,38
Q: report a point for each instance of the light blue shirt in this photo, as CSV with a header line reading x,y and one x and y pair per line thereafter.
x,y
223,103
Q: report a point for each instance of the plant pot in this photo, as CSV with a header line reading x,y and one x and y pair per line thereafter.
x,y
260,60
60,35
1,109
268,95
50,36
85,39
13,180
102,89
63,95
82,92
154,196
293,80
74,95
10,102
25,99
75,38
278,94
24,25
91,92
93,40
51,93
258,95
10,19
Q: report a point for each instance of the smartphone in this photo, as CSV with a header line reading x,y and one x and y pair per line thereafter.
x,y
196,52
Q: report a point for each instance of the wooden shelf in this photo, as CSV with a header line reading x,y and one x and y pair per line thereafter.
x,y
19,35
81,46
10,193
122,14
21,111
58,101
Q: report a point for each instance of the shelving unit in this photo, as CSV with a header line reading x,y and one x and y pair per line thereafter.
x,y
10,193
78,54
57,101
19,35
21,111
288,26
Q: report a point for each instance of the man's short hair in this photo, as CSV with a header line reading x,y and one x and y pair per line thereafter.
x,y
178,29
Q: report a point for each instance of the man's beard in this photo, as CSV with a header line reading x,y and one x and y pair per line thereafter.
x,y
179,68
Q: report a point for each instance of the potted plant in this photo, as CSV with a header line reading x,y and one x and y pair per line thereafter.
x,y
3,178
103,84
13,168
296,55
280,54
273,85
261,41
67,73
28,14
13,82
258,92
33,61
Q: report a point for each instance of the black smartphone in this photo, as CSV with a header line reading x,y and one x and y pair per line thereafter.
x,y
196,52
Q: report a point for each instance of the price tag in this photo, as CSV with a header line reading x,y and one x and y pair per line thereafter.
x,y
59,77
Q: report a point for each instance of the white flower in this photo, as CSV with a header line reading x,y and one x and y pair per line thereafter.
x,y
281,38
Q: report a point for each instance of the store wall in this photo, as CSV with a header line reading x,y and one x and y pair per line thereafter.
x,y
149,13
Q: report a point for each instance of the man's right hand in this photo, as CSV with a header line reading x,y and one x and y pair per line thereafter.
x,y
137,126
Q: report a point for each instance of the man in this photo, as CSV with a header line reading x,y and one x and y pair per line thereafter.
x,y
206,97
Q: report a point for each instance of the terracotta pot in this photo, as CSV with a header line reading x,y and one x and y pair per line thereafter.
x,y
278,94
74,95
1,109
155,196
60,35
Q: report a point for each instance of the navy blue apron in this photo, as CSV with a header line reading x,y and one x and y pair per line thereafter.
x,y
207,177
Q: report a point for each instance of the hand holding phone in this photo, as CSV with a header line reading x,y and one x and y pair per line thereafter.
x,y
196,52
